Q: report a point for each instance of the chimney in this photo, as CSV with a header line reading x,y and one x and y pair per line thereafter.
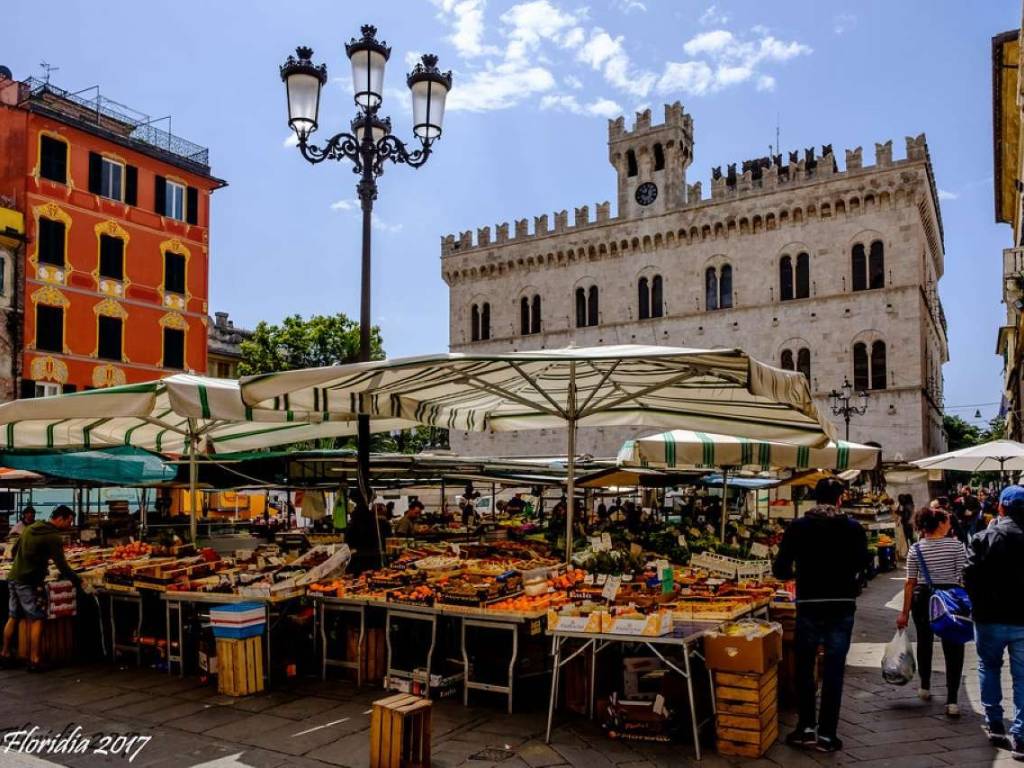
x,y
222,319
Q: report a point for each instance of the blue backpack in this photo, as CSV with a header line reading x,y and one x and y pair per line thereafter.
x,y
949,610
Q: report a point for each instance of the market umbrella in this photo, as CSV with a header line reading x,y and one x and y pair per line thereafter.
x,y
721,390
994,456
182,413
689,448
123,464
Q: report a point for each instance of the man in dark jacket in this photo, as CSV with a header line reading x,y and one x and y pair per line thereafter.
x,y
829,552
994,578
40,543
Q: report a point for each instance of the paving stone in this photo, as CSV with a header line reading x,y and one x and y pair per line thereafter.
x,y
211,717
301,708
901,749
351,751
172,711
262,701
539,755
248,728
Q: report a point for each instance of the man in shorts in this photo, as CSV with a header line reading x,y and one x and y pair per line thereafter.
x,y
40,543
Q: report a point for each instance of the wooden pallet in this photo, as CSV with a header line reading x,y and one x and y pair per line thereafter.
x,y
400,732
240,666
58,642
747,713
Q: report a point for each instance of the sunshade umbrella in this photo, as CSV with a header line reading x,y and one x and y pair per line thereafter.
x,y
177,414
718,390
994,456
687,448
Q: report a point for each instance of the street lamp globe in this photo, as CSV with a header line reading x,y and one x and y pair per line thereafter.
x,y
368,56
429,88
303,81
847,390
379,127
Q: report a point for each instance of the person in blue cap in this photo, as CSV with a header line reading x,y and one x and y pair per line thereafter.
x,y
994,578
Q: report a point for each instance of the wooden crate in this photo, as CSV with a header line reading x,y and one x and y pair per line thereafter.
x,y
240,666
400,732
375,653
58,641
747,713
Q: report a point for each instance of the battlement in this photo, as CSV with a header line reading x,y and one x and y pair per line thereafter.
x,y
542,226
675,117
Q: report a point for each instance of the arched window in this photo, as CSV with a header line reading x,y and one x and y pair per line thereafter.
x,y
725,287
659,157
858,262
876,265
592,308
485,321
535,314
581,308
631,169
644,296
803,362
524,316
474,326
861,378
785,278
657,299
786,360
710,289
803,276
878,371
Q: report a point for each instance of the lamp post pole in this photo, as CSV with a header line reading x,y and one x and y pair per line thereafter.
x,y
842,404
369,145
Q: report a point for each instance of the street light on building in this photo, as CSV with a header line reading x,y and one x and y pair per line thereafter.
x,y
369,146
841,403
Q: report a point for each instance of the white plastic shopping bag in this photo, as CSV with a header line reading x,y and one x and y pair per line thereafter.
x,y
898,663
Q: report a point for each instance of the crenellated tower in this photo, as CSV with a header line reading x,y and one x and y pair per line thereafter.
x,y
651,161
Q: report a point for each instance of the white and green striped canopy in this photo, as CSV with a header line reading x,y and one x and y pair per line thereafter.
x,y
160,416
683,448
721,390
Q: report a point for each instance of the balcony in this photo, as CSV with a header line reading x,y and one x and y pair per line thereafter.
x,y
1013,277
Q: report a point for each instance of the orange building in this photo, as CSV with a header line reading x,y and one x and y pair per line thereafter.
x,y
116,254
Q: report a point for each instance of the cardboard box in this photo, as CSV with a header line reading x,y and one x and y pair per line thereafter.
x,y
652,625
739,654
569,623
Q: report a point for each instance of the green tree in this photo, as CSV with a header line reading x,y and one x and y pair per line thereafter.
x,y
299,343
996,429
959,433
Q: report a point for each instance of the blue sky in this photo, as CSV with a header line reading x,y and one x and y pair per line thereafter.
x,y
526,132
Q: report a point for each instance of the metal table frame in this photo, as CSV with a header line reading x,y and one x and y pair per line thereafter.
x,y
596,642
412,613
113,598
494,625
325,605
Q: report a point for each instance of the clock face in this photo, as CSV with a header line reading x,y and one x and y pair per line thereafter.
x,y
647,193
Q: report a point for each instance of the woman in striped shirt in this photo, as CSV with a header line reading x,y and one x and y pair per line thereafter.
x,y
944,557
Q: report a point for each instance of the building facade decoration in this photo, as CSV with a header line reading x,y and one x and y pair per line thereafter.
x,y
789,258
224,346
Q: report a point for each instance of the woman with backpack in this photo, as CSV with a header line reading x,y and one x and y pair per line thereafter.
x,y
935,562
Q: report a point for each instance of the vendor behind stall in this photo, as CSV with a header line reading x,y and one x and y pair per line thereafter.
x,y
40,543
25,519
406,526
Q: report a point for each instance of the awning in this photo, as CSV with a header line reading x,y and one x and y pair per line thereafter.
x,y
994,456
115,466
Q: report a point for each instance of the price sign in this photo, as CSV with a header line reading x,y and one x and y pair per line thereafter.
x,y
611,588
606,541
757,549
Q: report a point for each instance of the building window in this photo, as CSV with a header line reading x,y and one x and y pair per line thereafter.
x,y
868,269
53,159
174,348
111,179
175,206
644,291
878,371
46,389
657,297
592,307
631,169
110,331
474,323
659,157
785,278
529,315
803,276
803,363
711,288
725,287
51,242
581,308
587,310
111,257
480,322
174,273
786,360
49,328
869,372
535,314
650,297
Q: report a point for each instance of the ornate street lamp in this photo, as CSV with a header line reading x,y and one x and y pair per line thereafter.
x,y
369,145
841,403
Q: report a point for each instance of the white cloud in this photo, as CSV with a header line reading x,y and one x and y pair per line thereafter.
x,y
712,43
573,82
945,194
600,107
381,225
574,38
499,87
607,53
291,140
412,58
690,77
765,83
530,23
711,16
843,22
345,205
468,27
628,6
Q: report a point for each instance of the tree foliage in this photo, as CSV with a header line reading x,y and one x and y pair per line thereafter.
x,y
963,434
299,343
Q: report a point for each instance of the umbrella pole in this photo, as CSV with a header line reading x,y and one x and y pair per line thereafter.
x,y
725,499
193,482
570,506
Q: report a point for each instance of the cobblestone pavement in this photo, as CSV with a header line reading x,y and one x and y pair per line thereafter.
x,y
324,725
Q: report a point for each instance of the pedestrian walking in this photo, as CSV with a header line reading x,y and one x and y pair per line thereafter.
x,y
994,578
829,552
936,561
